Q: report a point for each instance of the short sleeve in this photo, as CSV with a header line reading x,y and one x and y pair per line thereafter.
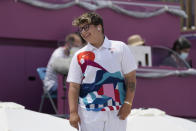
x,y
75,72
128,60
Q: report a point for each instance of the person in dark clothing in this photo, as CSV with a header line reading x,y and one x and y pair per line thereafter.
x,y
178,58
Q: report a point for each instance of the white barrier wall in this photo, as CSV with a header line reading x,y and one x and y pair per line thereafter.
x,y
142,55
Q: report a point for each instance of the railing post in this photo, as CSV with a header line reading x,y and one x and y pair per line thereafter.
x,y
182,19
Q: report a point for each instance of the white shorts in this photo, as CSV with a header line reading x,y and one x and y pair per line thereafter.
x,y
101,121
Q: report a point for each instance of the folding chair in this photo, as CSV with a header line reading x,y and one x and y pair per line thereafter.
x,y
42,72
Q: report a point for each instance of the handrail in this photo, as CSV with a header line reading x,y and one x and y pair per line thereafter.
x,y
161,73
140,4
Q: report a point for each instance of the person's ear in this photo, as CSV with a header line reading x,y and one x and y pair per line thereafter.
x,y
99,27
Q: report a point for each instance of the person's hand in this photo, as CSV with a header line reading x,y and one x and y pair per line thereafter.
x,y
124,111
74,120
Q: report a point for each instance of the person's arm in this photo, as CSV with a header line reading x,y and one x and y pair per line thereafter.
x,y
130,84
129,70
73,96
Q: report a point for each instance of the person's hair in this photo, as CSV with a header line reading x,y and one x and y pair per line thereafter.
x,y
70,38
181,43
89,18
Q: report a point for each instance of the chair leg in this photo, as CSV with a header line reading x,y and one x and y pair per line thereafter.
x,y
52,102
42,102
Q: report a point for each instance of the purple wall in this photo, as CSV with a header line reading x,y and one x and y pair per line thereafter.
x,y
174,95
18,77
19,20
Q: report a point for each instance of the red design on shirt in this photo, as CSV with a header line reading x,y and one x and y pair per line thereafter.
x,y
86,55
117,95
111,108
100,91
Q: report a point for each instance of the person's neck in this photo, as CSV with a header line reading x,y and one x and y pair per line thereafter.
x,y
99,41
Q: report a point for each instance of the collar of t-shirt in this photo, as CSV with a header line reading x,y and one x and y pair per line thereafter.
x,y
106,45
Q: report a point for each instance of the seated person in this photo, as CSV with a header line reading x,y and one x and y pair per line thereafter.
x,y
181,47
73,41
135,40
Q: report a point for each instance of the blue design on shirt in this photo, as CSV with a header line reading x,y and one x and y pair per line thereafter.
x,y
102,77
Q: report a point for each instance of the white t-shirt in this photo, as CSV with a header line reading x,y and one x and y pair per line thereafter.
x,y
50,80
101,74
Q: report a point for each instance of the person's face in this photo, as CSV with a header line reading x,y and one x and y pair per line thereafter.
x,y
77,42
184,53
89,32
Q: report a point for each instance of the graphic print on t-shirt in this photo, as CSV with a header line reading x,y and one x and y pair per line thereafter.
x,y
106,92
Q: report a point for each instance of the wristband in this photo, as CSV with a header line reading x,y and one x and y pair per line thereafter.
x,y
129,103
